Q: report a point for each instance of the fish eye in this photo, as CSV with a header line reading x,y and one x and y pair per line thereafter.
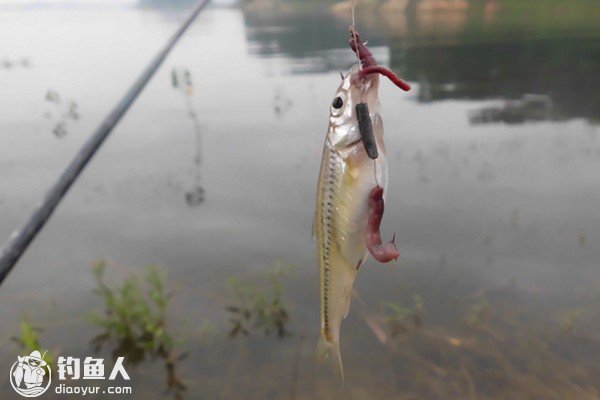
x,y
337,105
337,102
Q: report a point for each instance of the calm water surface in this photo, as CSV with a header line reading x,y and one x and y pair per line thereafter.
x,y
494,159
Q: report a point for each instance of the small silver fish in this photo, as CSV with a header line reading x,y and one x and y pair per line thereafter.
x,y
350,198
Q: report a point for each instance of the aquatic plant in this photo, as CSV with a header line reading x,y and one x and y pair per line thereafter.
x,y
64,112
29,340
568,322
256,308
181,80
132,315
467,351
135,318
477,313
403,319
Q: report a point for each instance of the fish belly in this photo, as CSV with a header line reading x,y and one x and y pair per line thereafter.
x,y
341,221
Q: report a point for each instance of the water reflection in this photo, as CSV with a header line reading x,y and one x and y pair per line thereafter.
x,y
456,55
311,41
530,108
510,70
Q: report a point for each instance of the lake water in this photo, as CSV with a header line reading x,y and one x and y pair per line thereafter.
x,y
493,194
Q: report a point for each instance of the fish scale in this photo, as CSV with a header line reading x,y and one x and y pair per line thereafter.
x,y
325,220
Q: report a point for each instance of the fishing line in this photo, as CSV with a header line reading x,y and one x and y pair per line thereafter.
x,y
354,34
362,110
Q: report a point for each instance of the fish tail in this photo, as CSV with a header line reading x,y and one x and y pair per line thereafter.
x,y
327,349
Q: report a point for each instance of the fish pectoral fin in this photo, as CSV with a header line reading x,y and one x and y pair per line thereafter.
x,y
347,310
330,350
347,299
360,262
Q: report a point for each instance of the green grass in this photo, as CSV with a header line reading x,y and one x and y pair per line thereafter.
x,y
258,307
134,321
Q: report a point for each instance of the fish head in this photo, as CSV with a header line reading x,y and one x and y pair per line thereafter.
x,y
343,131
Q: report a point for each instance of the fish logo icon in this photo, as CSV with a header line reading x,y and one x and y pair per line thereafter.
x,y
30,375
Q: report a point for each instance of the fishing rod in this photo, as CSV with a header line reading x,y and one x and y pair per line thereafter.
x,y
20,239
